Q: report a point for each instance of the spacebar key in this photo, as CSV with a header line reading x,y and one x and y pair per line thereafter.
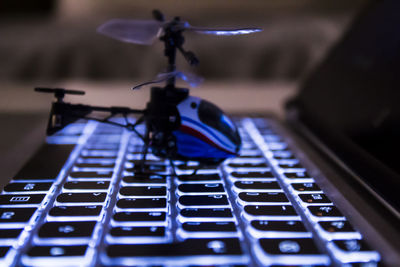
x,y
174,251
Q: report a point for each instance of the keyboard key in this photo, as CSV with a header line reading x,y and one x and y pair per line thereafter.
x,y
27,187
288,246
21,199
94,174
283,155
16,214
143,191
282,210
57,251
147,168
352,245
262,197
210,200
297,175
75,211
99,157
337,226
145,179
98,153
209,226
139,216
199,177
189,247
66,229
314,198
291,166
201,188
97,146
206,213
305,187
95,165
324,211
277,146
149,162
252,175
142,203
262,185
100,185
81,197
9,233
279,226
272,138
185,167
250,156
127,231
248,165
4,250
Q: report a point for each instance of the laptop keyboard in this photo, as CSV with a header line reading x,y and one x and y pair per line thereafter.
x,y
259,209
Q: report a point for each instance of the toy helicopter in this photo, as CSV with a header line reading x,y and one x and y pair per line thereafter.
x,y
178,126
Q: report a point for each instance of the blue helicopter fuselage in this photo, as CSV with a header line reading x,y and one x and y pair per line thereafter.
x,y
205,132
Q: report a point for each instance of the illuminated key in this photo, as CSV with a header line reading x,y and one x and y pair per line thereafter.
x,y
305,187
92,185
209,226
143,191
75,211
94,174
139,216
201,188
81,197
11,215
27,187
142,203
21,199
315,198
135,231
270,210
66,229
189,247
257,185
207,200
250,197
4,250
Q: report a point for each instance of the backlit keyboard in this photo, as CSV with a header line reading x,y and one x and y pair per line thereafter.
x,y
80,201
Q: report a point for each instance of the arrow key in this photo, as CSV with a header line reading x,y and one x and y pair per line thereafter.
x,y
66,229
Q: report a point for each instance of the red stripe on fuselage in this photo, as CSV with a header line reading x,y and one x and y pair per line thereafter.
x,y
195,133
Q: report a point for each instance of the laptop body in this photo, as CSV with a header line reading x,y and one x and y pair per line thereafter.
x,y
72,204
347,109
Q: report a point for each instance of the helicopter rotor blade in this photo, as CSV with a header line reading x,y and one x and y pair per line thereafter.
x,y
192,79
222,31
142,32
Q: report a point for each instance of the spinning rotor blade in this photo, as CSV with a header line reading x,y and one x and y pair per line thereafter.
x,y
222,31
142,32
192,79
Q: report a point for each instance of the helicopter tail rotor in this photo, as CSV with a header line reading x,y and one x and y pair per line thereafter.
x,y
59,93
62,113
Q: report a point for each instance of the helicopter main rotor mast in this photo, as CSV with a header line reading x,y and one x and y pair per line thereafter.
x,y
173,41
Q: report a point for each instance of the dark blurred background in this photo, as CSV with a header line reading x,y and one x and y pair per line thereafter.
x,y
56,39
54,43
